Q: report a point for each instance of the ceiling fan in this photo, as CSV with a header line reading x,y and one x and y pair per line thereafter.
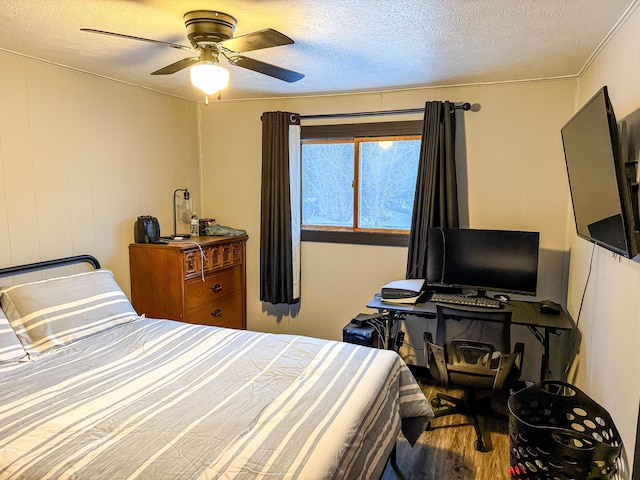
x,y
211,36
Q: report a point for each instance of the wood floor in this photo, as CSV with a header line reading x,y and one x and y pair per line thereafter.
x,y
446,451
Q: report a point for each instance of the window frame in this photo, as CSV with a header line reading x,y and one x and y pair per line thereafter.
x,y
357,132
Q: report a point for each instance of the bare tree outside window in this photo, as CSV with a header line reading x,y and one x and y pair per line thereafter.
x,y
387,183
359,184
327,179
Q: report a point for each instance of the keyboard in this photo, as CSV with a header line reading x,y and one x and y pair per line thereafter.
x,y
459,299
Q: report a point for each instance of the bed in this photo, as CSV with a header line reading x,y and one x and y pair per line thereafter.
x,y
91,390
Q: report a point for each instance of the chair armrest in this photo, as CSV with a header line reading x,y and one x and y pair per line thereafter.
x,y
518,349
507,362
428,337
431,349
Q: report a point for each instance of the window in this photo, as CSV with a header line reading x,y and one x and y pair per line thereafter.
x,y
359,184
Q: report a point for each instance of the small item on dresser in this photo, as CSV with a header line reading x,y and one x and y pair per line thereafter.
x,y
195,225
204,223
224,231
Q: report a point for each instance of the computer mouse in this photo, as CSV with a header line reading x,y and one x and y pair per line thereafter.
x,y
547,306
502,297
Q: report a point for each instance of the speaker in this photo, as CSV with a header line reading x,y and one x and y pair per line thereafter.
x,y
146,229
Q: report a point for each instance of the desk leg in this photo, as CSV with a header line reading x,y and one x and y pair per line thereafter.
x,y
391,342
544,340
545,370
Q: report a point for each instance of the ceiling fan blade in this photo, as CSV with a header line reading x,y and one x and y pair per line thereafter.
x,y
177,66
131,37
256,40
265,68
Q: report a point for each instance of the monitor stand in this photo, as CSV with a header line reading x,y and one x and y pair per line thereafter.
x,y
469,292
483,294
435,289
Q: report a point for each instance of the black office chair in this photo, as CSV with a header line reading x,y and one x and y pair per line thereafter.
x,y
473,351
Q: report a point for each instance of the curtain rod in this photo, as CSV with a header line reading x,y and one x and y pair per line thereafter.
x,y
457,106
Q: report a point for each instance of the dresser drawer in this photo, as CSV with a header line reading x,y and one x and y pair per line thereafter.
x,y
232,253
215,286
225,311
193,263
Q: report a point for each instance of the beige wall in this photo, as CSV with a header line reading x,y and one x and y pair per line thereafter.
x,y
81,157
610,316
512,172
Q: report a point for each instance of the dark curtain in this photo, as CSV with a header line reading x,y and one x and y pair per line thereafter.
x,y
436,199
276,252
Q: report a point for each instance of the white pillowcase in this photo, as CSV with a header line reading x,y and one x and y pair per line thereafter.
x,y
56,311
11,350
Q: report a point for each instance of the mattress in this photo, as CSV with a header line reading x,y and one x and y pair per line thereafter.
x,y
158,399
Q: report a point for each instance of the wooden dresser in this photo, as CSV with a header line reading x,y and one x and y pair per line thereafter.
x,y
167,280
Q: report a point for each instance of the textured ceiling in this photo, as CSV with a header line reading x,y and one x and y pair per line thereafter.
x,y
340,45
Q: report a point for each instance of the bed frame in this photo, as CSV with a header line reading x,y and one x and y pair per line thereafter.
x,y
58,262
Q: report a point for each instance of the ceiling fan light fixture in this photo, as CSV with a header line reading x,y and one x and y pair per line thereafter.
x,y
211,35
209,77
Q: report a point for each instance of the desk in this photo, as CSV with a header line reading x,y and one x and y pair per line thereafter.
x,y
522,313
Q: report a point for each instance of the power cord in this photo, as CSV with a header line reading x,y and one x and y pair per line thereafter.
x,y
380,328
586,284
575,348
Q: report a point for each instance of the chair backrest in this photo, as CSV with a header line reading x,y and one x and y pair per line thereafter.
x,y
473,342
490,326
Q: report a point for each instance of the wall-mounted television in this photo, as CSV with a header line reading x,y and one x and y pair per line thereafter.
x,y
600,192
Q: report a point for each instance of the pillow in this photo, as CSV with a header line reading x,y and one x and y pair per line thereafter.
x,y
11,350
56,311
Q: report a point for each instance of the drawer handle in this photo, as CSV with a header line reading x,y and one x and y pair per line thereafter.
x,y
217,287
217,312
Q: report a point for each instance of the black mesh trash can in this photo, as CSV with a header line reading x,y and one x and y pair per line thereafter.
x,y
558,432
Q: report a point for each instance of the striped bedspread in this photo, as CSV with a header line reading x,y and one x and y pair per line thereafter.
x,y
157,399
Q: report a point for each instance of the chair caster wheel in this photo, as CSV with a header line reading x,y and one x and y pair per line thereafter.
x,y
479,444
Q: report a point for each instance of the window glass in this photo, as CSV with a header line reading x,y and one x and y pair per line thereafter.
x,y
327,184
387,179
377,176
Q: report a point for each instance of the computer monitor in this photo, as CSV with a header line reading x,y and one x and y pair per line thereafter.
x,y
495,260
